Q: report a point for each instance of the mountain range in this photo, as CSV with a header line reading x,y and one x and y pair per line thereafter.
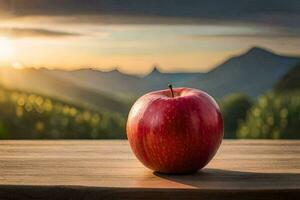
x,y
252,73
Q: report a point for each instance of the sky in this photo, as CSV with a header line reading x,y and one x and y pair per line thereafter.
x,y
134,35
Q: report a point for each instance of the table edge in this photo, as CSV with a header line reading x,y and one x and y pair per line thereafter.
x,y
92,192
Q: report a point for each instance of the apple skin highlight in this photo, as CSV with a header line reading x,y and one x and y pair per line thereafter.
x,y
175,135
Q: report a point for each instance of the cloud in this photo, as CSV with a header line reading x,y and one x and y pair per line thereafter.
x,y
33,32
257,31
233,35
282,17
267,12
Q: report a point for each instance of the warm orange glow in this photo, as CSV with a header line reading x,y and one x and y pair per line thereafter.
x,y
6,48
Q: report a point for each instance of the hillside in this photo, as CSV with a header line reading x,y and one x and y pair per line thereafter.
x,y
25,115
290,81
157,80
39,81
118,83
251,73
113,82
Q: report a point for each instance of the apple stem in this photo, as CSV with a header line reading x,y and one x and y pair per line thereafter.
x,y
171,88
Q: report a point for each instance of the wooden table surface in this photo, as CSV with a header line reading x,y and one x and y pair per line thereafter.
x,y
242,169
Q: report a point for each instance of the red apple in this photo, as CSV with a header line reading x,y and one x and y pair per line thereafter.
x,y
175,131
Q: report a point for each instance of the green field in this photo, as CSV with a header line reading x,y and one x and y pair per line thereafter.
x,y
79,113
31,116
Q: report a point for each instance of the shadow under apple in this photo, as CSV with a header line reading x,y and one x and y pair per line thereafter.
x,y
235,180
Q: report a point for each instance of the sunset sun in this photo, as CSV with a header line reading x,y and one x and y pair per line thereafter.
x,y
6,48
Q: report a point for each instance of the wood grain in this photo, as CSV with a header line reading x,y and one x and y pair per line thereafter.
x,y
242,169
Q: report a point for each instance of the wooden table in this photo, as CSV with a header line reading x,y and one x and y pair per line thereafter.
x,y
242,169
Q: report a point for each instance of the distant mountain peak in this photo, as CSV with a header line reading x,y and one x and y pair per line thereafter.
x,y
114,70
155,70
258,51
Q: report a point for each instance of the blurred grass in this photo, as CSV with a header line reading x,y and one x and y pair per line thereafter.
x,y
26,115
274,116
